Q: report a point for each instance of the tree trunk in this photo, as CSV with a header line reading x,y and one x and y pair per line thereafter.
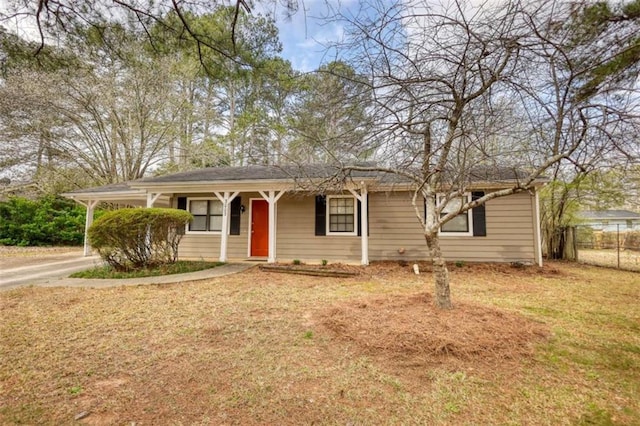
x,y
440,272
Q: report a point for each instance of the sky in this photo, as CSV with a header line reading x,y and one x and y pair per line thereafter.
x,y
305,35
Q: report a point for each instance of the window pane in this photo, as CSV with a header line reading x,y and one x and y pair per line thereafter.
x,y
215,207
215,223
459,223
348,205
199,223
340,205
341,223
198,207
453,205
333,205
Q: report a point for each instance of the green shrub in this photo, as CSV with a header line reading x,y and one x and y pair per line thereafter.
x,y
43,222
138,238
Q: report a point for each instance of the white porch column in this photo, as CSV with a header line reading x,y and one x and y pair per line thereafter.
x,y
90,205
364,223
272,198
538,234
226,198
152,198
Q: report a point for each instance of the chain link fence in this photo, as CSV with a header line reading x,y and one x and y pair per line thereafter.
x,y
618,249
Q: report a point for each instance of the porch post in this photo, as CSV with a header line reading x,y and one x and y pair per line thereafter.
x,y
152,198
272,198
364,222
90,205
538,236
226,199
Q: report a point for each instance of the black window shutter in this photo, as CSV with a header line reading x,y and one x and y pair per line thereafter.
x,y
182,203
359,218
321,215
479,219
235,216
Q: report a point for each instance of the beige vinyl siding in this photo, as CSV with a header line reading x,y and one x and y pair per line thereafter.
x,y
297,239
199,246
394,226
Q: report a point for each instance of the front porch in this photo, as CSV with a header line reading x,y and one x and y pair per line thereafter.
x,y
240,223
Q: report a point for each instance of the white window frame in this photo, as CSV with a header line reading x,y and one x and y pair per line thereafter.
x,y
466,197
355,216
186,228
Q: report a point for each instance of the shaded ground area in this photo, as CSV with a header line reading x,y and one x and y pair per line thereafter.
x,y
558,345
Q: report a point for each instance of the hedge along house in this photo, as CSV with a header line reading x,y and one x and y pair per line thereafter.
x,y
282,213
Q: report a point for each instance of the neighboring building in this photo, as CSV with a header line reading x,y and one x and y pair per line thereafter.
x,y
611,220
278,213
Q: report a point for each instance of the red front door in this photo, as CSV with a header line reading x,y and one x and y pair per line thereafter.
x,y
259,228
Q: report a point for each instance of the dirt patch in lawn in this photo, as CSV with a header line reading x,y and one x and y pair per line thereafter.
x,y
409,330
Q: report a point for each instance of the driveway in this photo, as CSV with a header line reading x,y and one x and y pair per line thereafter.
x,y
43,269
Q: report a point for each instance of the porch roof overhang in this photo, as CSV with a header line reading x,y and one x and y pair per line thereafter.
x,y
115,193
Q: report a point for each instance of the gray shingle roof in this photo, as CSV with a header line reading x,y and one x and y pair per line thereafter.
x,y
286,172
114,187
291,172
609,214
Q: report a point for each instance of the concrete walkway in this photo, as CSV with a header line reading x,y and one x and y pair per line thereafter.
x,y
54,272
220,271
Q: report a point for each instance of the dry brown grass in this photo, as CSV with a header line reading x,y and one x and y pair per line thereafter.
x,y
559,345
629,259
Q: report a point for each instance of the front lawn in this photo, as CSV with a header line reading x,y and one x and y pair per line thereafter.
x,y
559,345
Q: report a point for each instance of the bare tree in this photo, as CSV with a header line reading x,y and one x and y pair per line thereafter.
x,y
110,121
468,92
